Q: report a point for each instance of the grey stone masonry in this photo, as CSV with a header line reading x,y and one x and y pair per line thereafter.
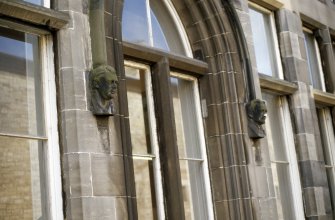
x,y
303,111
259,166
92,160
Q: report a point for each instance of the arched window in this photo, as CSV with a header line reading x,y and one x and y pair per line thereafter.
x,y
155,24
166,129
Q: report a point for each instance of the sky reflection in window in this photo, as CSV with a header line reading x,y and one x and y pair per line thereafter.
x,y
140,27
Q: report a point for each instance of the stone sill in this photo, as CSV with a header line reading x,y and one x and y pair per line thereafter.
x,y
278,86
324,98
34,14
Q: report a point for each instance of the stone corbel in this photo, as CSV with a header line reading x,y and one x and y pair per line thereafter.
x,y
103,78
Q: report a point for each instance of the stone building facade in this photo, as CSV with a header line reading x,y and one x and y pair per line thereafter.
x,y
180,140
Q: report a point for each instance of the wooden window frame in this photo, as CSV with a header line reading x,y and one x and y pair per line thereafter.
x,y
52,174
162,63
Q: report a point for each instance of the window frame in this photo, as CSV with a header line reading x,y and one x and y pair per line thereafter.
x,y
291,160
172,63
328,144
201,131
51,157
318,60
154,156
46,3
278,71
173,16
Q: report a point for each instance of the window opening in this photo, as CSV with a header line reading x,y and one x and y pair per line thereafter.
x,y
265,41
328,144
192,155
155,24
45,3
314,61
26,129
283,159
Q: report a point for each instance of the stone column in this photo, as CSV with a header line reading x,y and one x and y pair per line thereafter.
x,y
92,160
308,143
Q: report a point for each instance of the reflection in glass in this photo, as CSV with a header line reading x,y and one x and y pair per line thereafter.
x,y
20,183
138,111
278,157
263,44
277,141
36,2
313,64
138,86
159,40
145,189
135,23
21,98
185,118
189,148
150,23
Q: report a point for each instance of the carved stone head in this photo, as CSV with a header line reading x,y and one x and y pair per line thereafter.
x,y
103,80
256,111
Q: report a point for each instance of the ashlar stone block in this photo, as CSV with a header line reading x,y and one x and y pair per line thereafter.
x,y
108,175
77,175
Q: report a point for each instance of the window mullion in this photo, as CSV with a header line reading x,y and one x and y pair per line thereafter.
x,y
168,140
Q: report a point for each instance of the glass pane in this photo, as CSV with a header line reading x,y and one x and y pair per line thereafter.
x,y
263,43
21,98
157,33
36,2
313,66
165,32
135,23
186,118
20,183
150,23
281,181
275,135
145,189
189,146
194,193
138,111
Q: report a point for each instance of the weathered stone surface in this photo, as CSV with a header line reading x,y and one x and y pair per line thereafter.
x,y
72,82
259,183
214,152
108,175
289,21
80,132
289,45
313,174
77,175
317,204
73,38
76,6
